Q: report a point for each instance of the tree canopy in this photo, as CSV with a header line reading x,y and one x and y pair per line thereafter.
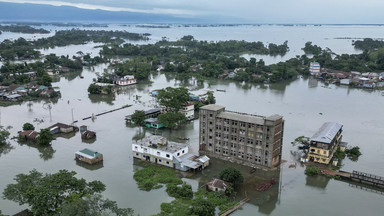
x,y
45,137
46,193
173,98
232,175
28,126
138,117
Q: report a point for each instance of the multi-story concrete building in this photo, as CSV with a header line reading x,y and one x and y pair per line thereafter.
x,y
243,138
314,68
324,143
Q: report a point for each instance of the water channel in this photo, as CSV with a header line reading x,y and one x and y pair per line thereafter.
x,y
305,107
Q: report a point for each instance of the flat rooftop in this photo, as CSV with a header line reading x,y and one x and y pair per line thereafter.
x,y
212,107
243,117
161,143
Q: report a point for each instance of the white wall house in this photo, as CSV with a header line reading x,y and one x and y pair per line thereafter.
x,y
314,68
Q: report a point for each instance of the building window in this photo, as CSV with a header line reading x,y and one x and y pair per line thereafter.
x,y
211,115
137,154
182,151
159,160
167,155
136,147
158,153
178,153
167,162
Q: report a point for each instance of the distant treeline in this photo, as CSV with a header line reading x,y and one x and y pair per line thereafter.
x,y
23,49
368,44
23,29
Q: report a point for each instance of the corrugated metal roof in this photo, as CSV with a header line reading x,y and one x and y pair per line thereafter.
x,y
327,132
241,117
88,153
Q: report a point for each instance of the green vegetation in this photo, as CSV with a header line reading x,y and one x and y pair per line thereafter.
x,y
28,126
353,153
173,98
45,138
301,140
23,29
139,67
186,203
138,117
311,49
93,205
151,176
171,120
4,135
368,44
232,175
312,171
47,193
94,89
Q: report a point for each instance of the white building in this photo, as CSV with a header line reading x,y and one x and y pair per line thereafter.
x,y
188,110
159,150
126,80
314,68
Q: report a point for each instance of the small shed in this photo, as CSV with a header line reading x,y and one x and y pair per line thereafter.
x,y
217,185
29,135
88,134
63,128
88,156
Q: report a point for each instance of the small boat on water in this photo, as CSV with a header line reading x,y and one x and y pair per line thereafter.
x,y
183,138
222,90
81,77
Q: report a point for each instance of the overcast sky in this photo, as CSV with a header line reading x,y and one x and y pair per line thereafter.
x,y
244,11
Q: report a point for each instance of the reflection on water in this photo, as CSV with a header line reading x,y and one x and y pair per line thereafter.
x,y
96,98
319,181
46,152
5,148
92,167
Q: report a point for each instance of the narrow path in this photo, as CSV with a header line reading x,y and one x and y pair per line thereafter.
x,y
242,202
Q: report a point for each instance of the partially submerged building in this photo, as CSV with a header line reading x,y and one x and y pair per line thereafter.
x,y
29,135
314,68
324,143
88,156
243,138
217,185
153,123
126,80
152,113
159,150
61,128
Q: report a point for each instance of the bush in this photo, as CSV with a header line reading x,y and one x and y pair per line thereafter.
x,y
312,171
28,126
353,153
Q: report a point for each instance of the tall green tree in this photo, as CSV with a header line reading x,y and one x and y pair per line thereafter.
x,y
138,117
94,89
94,205
45,137
173,98
28,126
202,207
232,175
171,120
46,193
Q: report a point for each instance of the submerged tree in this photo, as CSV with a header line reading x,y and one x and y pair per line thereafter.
x,y
45,137
232,175
138,117
28,126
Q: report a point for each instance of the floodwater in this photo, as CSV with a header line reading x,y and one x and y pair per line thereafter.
x,y
305,108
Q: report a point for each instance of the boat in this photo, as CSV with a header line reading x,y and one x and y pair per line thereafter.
x,y
183,138
81,77
222,90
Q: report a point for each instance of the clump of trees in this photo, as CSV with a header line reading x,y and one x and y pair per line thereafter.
x,y
353,153
138,117
231,175
28,126
311,49
54,194
45,137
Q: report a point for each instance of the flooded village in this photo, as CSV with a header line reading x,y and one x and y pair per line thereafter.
x,y
248,127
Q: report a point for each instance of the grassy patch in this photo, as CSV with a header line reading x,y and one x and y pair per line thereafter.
x,y
225,207
152,176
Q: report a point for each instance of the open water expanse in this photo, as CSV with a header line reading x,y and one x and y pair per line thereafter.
x,y
304,104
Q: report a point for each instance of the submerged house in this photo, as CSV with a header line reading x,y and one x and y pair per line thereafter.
x,y
126,80
88,156
217,185
159,150
324,143
152,113
153,123
29,135
61,128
